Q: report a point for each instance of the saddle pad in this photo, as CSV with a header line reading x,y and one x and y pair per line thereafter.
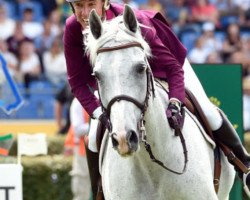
x,y
205,135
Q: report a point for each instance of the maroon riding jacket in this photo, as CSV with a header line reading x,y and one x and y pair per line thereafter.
x,y
166,63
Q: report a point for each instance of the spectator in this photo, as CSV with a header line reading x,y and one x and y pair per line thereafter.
x,y
48,6
202,11
232,42
55,64
131,3
242,5
210,41
239,57
244,19
16,39
29,64
246,103
164,3
31,28
153,5
245,60
198,54
63,100
44,41
55,19
225,7
213,58
177,13
64,9
10,58
80,181
7,25
246,50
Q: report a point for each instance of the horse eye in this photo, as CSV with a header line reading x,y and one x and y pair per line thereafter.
x,y
96,75
140,68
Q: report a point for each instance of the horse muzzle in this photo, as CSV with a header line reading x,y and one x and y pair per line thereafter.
x,y
125,143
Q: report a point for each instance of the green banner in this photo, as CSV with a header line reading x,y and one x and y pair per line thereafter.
x,y
223,86
5,137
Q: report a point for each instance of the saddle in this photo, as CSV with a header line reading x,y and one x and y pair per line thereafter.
x,y
194,107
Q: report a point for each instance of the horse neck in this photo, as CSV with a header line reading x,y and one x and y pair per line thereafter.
x,y
157,127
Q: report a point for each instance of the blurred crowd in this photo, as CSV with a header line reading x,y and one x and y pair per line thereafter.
x,y
214,31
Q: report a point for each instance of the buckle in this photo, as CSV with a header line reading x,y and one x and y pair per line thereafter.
x,y
231,156
216,181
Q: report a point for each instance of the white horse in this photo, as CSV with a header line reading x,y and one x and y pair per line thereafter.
x,y
119,56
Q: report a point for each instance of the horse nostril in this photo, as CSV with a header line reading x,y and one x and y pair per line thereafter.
x,y
132,138
114,140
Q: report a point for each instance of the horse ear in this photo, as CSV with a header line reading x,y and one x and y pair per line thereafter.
x,y
129,19
95,24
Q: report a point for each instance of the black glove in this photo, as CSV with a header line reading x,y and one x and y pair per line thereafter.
x,y
104,120
175,114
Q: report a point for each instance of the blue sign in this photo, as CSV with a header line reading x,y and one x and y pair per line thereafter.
x,y
10,98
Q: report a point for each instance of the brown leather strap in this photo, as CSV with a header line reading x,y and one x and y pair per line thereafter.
x,y
100,195
99,134
160,163
118,98
217,169
122,46
233,159
217,172
193,106
227,151
199,113
189,105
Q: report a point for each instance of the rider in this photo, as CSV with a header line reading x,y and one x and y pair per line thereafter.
x,y
168,63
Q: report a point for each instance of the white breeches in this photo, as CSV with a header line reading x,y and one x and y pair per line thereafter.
x,y
92,135
193,84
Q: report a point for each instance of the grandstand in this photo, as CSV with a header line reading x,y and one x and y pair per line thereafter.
x,y
40,104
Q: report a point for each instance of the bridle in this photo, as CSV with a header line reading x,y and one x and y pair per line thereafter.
x,y
150,86
142,106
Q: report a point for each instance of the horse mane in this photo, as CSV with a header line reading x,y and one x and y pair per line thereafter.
x,y
114,33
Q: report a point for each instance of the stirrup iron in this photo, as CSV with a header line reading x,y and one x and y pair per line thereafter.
x,y
244,180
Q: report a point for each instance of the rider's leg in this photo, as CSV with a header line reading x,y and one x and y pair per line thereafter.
x,y
194,85
227,134
93,158
220,125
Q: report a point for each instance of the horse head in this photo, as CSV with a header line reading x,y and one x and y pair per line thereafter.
x,y
119,54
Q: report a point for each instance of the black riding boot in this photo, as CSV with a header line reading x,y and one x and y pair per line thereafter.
x,y
227,135
92,159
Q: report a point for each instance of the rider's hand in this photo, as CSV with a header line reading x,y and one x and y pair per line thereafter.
x,y
104,120
97,112
101,116
175,114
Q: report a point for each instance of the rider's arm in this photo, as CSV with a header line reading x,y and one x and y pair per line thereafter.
x,y
78,66
164,62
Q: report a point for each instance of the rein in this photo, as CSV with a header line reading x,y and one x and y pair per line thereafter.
x,y
143,107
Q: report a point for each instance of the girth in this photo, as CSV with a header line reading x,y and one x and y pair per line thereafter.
x,y
194,107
